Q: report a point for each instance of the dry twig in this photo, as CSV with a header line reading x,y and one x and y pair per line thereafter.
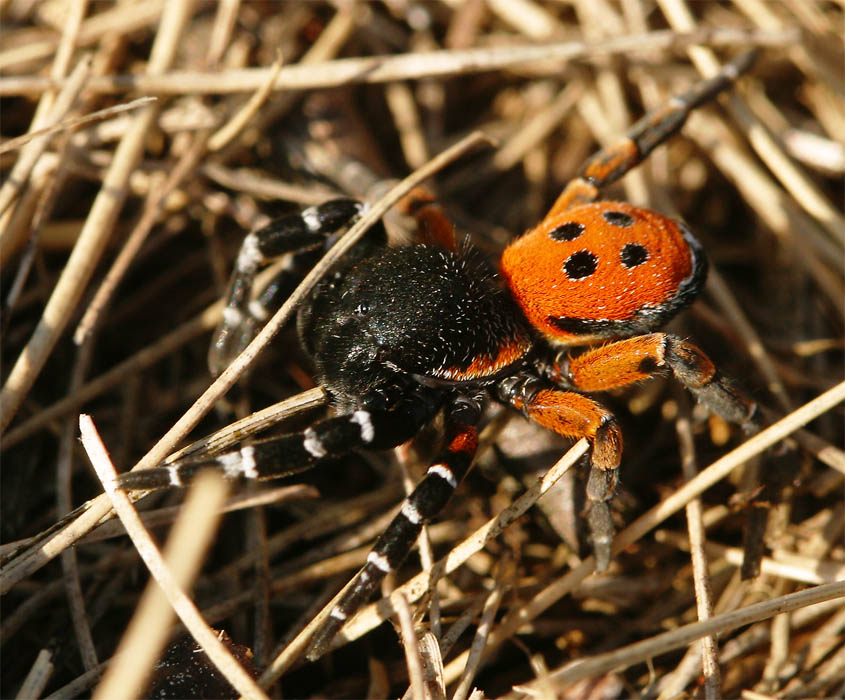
x,y
366,92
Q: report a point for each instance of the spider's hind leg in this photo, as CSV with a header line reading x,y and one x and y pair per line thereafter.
x,y
304,234
575,415
631,360
608,165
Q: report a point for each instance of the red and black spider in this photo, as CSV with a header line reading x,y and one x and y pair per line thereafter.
x,y
400,334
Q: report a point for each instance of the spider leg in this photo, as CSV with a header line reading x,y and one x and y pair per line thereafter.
x,y
608,165
425,502
575,415
433,227
281,456
306,232
634,359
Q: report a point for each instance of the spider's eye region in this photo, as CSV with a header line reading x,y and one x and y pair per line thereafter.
x,y
580,265
618,218
567,232
633,254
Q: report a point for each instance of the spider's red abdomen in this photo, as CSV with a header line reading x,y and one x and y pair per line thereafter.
x,y
603,270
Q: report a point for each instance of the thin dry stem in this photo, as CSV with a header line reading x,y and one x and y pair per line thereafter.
x,y
406,116
79,684
717,286
243,180
164,516
791,567
537,128
124,678
39,138
38,676
74,123
641,651
230,130
409,66
491,607
64,503
413,658
526,17
94,235
757,635
130,249
701,578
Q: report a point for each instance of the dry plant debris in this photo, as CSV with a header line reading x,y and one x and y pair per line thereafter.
x,y
119,219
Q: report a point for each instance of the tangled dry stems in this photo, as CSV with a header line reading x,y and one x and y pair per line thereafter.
x,y
549,82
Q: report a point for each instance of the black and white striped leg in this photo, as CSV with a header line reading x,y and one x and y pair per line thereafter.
x,y
297,452
390,550
309,230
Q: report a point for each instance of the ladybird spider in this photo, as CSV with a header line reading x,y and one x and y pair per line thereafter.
x,y
398,335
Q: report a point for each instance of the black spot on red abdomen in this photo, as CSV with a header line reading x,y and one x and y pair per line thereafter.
x,y
567,232
580,265
618,218
633,254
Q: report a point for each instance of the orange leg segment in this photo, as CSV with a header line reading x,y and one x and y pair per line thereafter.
x,y
575,415
433,226
608,165
620,363
634,359
577,192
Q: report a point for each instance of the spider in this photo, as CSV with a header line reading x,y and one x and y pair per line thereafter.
x,y
399,335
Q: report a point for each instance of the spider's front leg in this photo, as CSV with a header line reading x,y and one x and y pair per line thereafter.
x,y
573,415
433,226
307,231
364,428
424,503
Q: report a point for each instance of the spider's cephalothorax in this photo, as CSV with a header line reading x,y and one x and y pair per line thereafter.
x,y
398,335
420,313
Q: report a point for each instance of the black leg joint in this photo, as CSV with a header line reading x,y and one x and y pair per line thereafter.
x,y
336,213
556,370
519,390
465,410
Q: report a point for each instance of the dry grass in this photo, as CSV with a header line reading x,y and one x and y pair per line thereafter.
x,y
118,225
